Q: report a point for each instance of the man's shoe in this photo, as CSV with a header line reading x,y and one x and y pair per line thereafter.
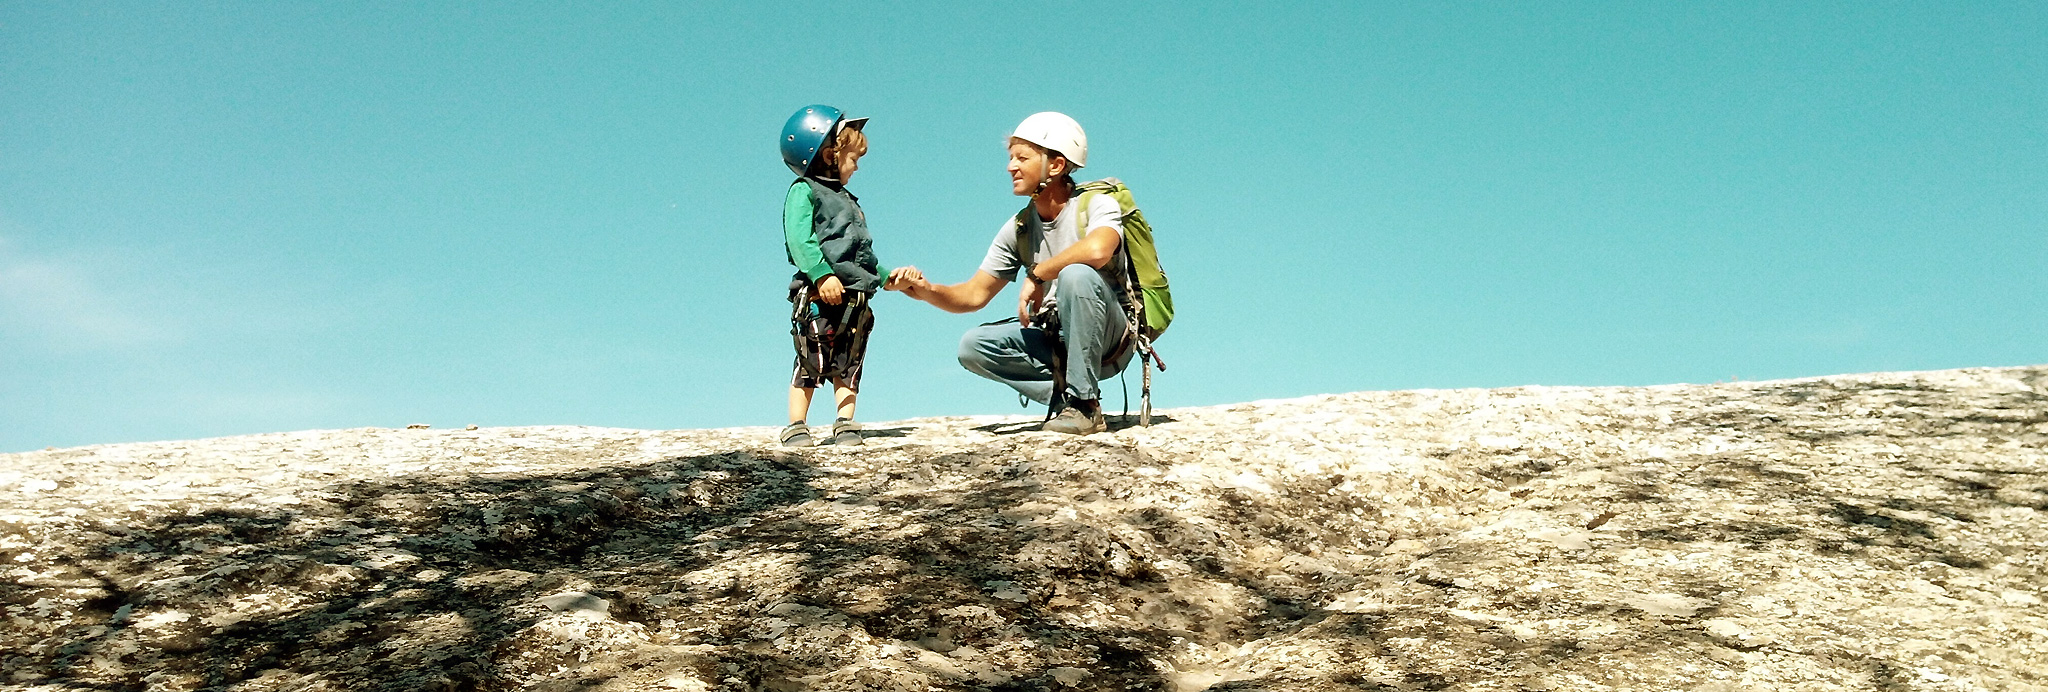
x,y
846,432
796,434
1080,417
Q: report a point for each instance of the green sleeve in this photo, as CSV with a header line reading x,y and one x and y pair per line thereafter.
x,y
796,233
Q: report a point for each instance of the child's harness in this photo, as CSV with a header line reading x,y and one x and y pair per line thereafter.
x,y
828,337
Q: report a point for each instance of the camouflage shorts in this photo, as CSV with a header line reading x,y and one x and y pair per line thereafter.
x,y
831,347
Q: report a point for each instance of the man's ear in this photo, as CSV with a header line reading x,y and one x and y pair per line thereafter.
x,y
1063,166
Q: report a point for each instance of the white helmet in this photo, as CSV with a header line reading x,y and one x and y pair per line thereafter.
x,y
1057,132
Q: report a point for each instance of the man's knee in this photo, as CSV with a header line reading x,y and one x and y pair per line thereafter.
x,y
970,349
974,347
1078,273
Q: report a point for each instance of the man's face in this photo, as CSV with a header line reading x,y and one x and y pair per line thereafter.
x,y
1028,167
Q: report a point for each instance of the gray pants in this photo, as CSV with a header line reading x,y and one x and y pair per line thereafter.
x,y
1092,323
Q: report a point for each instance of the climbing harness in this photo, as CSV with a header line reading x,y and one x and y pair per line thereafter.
x,y
829,338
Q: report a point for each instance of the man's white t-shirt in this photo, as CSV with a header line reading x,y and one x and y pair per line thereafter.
x,y
1050,239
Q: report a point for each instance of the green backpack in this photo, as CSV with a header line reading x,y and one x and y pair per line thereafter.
x,y
1155,299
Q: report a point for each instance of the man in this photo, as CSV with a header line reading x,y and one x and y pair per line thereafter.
x,y
1071,263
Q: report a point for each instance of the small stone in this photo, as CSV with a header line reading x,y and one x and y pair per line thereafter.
x,y
685,682
577,602
1665,604
1068,676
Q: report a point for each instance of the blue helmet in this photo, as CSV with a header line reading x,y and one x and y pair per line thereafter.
x,y
807,131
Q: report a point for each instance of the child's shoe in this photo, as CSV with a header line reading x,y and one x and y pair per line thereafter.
x,y
845,432
796,434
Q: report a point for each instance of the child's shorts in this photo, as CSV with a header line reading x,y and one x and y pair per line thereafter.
x,y
832,345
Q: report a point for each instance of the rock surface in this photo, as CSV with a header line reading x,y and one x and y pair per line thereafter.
x,y
1863,532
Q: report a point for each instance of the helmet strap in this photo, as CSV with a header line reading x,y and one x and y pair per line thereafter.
x,y
1044,176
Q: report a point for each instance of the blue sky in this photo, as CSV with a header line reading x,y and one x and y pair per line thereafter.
x,y
227,218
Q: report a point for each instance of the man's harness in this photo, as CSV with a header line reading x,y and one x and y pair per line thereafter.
x,y
1047,320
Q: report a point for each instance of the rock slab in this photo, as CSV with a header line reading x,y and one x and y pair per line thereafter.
x,y
1884,531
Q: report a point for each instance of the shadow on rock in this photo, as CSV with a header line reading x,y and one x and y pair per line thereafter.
x,y
407,584
1114,423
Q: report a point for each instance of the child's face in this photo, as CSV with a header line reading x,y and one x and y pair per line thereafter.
x,y
849,161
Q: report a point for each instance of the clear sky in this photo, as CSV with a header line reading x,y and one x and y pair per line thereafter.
x,y
227,218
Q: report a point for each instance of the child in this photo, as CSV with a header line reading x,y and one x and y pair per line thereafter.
x,y
826,236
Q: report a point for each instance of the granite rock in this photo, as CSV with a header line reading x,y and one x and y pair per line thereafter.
x,y
1881,531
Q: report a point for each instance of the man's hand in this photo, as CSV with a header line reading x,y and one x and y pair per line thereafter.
x,y
903,278
830,290
919,289
1030,295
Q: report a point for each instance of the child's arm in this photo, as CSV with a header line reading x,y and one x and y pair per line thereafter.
x,y
797,237
883,271
802,244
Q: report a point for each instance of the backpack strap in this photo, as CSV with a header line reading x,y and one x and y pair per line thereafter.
x,y
1027,221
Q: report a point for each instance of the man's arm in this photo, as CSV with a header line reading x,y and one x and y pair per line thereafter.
x,y
966,296
1094,250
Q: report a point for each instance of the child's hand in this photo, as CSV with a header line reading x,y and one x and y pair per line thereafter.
x,y
830,290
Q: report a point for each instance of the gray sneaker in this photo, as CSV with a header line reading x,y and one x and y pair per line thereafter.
x,y
1078,418
846,432
796,434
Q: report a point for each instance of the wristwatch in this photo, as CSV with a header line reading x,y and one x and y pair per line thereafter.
x,y
1031,272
